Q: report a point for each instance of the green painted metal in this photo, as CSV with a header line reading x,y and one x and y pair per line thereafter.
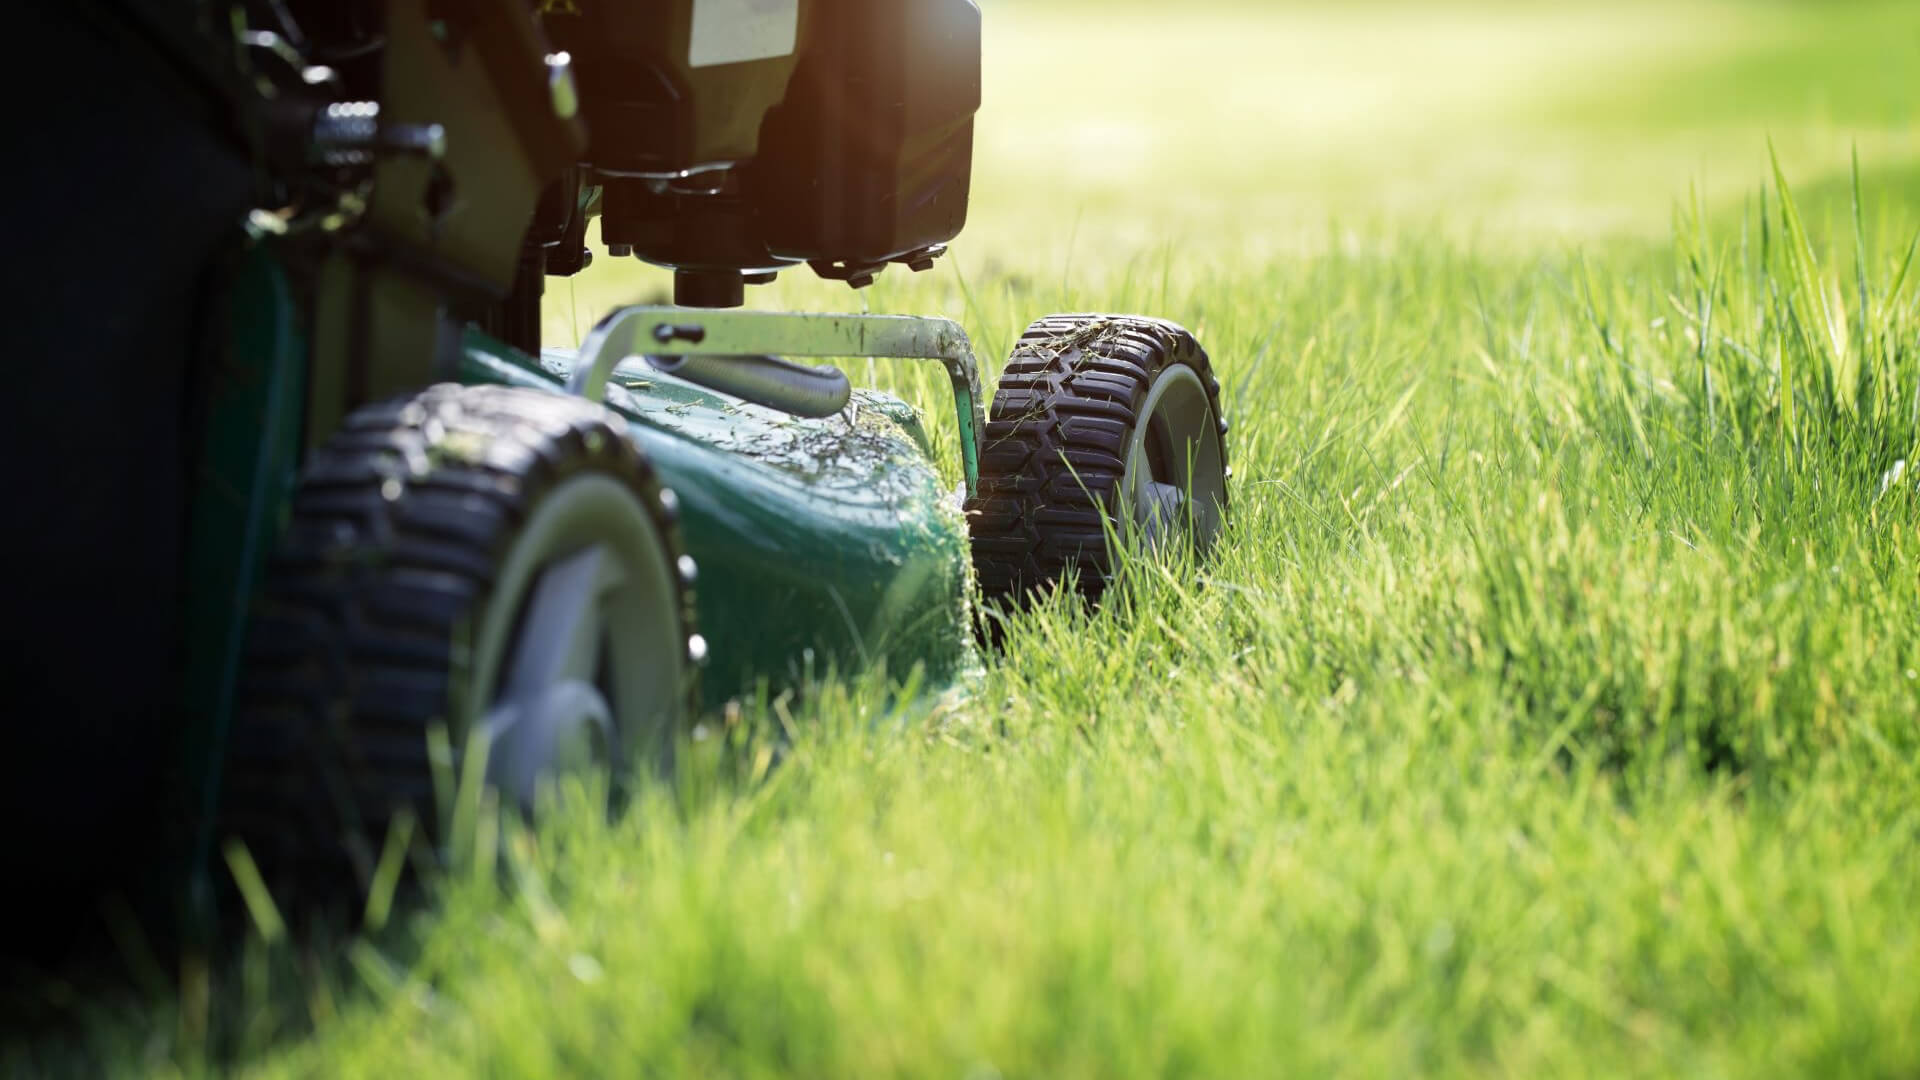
x,y
246,474
820,543
661,331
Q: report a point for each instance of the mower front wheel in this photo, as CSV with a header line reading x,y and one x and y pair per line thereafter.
x,y
497,563
1104,427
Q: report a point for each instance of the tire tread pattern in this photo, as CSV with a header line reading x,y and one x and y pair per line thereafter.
x,y
395,533
1056,443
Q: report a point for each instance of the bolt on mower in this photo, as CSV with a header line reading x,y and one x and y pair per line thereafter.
x,y
305,462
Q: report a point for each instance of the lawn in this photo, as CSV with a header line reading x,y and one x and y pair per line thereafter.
x,y
1549,710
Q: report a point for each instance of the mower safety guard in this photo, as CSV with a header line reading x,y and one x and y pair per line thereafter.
x,y
688,332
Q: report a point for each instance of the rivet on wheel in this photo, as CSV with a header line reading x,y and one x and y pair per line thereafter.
x,y
689,570
670,503
696,649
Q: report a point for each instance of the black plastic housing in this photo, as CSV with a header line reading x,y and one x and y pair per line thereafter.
x,y
857,149
649,108
870,155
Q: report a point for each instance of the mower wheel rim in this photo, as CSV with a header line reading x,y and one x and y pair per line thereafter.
x,y
1175,465
577,654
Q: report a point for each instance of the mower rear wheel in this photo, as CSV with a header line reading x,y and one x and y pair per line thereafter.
x,y
498,563
1103,426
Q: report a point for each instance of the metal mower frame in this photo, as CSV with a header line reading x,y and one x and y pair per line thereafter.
x,y
644,331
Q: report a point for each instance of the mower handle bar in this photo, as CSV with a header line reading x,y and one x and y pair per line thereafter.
x,y
738,353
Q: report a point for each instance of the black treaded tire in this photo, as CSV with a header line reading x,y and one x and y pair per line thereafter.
x,y
396,533
1056,447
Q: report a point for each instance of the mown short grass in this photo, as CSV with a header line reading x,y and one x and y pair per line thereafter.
x,y
1550,709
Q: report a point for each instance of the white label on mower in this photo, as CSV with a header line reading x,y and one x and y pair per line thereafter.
x,y
735,31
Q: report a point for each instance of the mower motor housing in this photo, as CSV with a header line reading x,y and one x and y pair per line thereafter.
x,y
745,136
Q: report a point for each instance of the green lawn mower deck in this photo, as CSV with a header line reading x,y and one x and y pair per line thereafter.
x,y
822,544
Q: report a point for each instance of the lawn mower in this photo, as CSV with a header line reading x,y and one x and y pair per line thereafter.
x,y
309,511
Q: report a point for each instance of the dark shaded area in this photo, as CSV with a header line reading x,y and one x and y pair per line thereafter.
x,y
123,192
